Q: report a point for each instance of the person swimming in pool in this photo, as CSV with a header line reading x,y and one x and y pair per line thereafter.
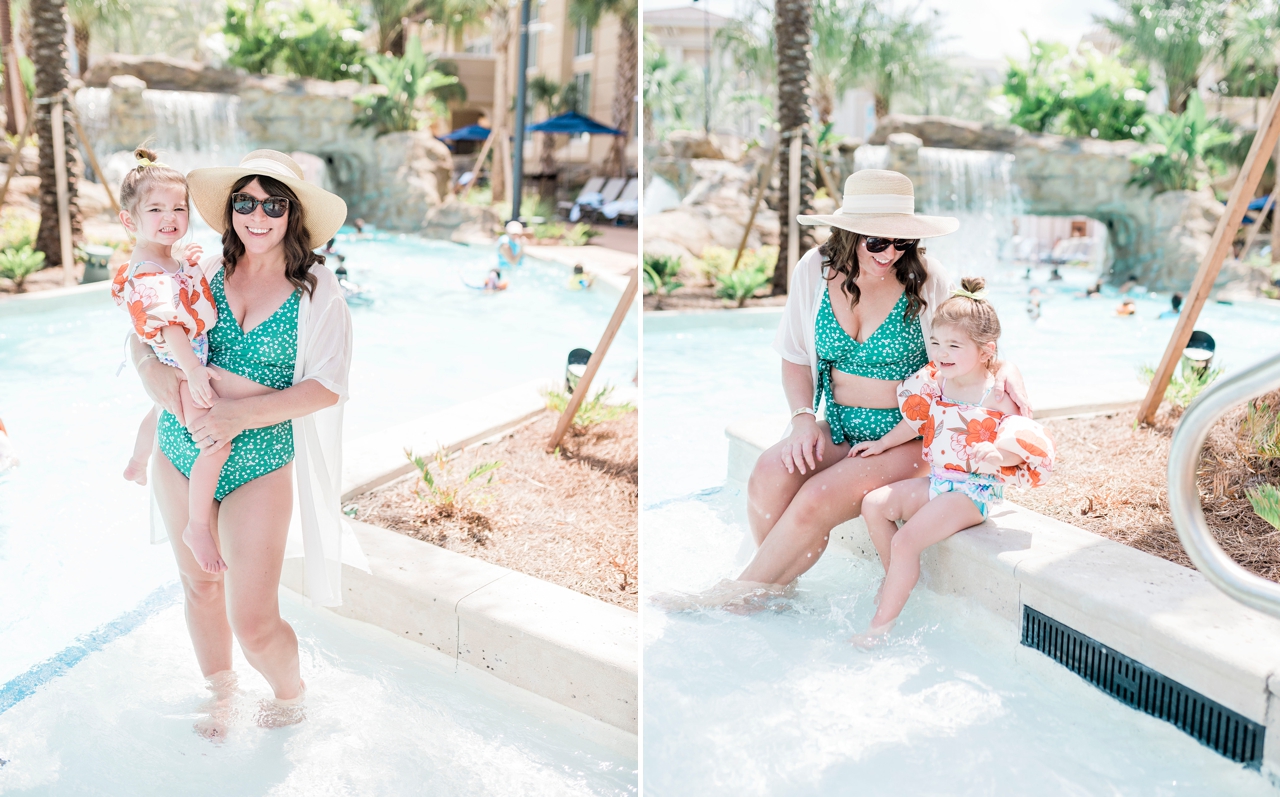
x,y
494,281
511,246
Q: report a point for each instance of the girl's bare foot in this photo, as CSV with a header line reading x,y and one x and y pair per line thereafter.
x,y
136,471
873,637
200,541
277,713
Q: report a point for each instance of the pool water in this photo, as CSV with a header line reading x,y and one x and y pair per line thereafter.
x,y
73,534
780,703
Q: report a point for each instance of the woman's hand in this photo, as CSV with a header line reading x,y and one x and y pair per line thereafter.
x,y
192,254
160,381
869,448
805,446
219,425
1009,383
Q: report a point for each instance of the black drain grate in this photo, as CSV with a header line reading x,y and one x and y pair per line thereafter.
x,y
1141,687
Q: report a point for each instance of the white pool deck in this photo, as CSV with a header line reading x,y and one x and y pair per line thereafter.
x,y
1165,616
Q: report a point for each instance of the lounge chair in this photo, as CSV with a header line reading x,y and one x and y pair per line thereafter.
x,y
627,205
593,186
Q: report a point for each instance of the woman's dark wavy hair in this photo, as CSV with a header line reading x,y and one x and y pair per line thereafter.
x,y
298,257
840,254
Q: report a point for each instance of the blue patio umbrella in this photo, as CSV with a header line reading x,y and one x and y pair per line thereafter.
x,y
573,123
468,133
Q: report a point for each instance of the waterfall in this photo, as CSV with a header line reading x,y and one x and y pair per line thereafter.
x,y
870,157
975,186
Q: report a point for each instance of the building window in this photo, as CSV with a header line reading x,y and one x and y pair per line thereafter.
x,y
583,82
582,45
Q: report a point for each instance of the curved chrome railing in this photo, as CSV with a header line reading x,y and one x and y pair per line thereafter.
x,y
1184,496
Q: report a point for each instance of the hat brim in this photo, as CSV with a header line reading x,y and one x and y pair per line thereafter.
x,y
887,225
323,212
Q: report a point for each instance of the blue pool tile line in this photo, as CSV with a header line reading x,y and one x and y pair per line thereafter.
x,y
25,685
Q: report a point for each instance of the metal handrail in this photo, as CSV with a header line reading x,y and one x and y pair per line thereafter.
x,y
1184,495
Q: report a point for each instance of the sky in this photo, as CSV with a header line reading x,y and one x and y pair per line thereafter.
x,y
983,28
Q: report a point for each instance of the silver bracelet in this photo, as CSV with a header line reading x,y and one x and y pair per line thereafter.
x,y
144,358
805,411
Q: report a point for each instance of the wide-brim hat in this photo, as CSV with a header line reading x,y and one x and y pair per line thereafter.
x,y
882,203
322,212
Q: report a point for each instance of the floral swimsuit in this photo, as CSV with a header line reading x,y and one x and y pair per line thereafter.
x,y
161,298
952,428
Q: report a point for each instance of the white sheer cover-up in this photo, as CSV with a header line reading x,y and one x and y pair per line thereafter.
x,y
318,533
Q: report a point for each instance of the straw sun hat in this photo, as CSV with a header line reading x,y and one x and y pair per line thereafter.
x,y
882,204
324,212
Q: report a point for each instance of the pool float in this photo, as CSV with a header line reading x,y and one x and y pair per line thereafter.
x,y
8,456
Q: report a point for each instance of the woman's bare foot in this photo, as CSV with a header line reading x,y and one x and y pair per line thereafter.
x,y
277,713
214,727
136,471
740,597
873,637
200,541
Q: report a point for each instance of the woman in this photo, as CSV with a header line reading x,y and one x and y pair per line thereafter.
x,y
283,323
858,313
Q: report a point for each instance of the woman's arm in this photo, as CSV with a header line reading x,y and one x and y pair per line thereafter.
x,y
1009,383
230,417
159,380
806,443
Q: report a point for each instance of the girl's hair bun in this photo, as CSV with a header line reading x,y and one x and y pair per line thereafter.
x,y
973,284
143,151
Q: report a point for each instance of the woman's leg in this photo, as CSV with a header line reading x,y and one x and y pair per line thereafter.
x,y
205,604
824,501
771,487
205,472
930,521
136,470
253,522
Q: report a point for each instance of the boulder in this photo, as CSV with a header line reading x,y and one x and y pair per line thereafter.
x,y
943,131
162,72
714,213
462,223
410,176
689,144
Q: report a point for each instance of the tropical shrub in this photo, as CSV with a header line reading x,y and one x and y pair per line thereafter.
x,y
1186,383
742,283
1188,158
1082,93
448,492
18,264
661,274
18,228
312,38
593,409
416,84
581,234
1265,500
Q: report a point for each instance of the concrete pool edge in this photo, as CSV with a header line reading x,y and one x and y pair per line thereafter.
x,y
1164,615
575,650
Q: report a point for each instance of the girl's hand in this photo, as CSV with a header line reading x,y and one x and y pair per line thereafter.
x,y
201,390
805,446
218,426
192,254
868,448
987,458
1009,383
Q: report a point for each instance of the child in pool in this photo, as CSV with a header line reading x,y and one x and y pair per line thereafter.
x,y
974,442
172,308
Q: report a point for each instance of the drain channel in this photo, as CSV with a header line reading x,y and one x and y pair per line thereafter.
x,y
1138,686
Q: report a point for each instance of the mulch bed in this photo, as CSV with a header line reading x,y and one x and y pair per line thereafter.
x,y
1110,478
700,297
571,518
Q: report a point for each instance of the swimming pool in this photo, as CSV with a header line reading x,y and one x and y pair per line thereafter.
x,y
781,703
73,534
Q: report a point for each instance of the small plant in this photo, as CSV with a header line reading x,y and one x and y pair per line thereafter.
x,y
581,235
1187,382
549,232
661,275
18,228
313,38
716,261
445,492
1265,500
416,84
1188,160
594,409
741,284
18,264
1262,425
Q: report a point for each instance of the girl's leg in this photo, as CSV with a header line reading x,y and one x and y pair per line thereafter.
x,y
884,507
136,470
771,487
205,472
254,521
931,522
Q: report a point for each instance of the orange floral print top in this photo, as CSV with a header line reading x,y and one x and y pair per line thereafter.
x,y
950,430
156,298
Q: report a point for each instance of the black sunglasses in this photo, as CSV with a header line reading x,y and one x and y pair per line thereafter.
x,y
273,206
881,244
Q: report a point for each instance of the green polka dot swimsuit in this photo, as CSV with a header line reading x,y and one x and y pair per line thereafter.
x,y
266,354
893,352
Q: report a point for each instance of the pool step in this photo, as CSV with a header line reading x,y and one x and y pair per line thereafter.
x,y
1167,617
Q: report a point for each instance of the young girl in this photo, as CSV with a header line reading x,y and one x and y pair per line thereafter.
x,y
974,442
172,308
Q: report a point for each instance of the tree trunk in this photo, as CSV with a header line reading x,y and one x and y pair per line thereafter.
x,y
500,24
81,33
882,106
791,30
624,96
14,92
49,54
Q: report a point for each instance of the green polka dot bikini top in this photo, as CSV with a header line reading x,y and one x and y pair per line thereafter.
x,y
894,351
267,353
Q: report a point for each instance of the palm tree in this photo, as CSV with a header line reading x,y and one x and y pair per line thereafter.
x,y
556,99
1179,36
454,17
588,13
14,94
891,52
792,33
1248,51
86,15
390,15
668,88
501,26
836,24
49,54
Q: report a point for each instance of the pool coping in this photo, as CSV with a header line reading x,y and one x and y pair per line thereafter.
x,y
1165,616
573,649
